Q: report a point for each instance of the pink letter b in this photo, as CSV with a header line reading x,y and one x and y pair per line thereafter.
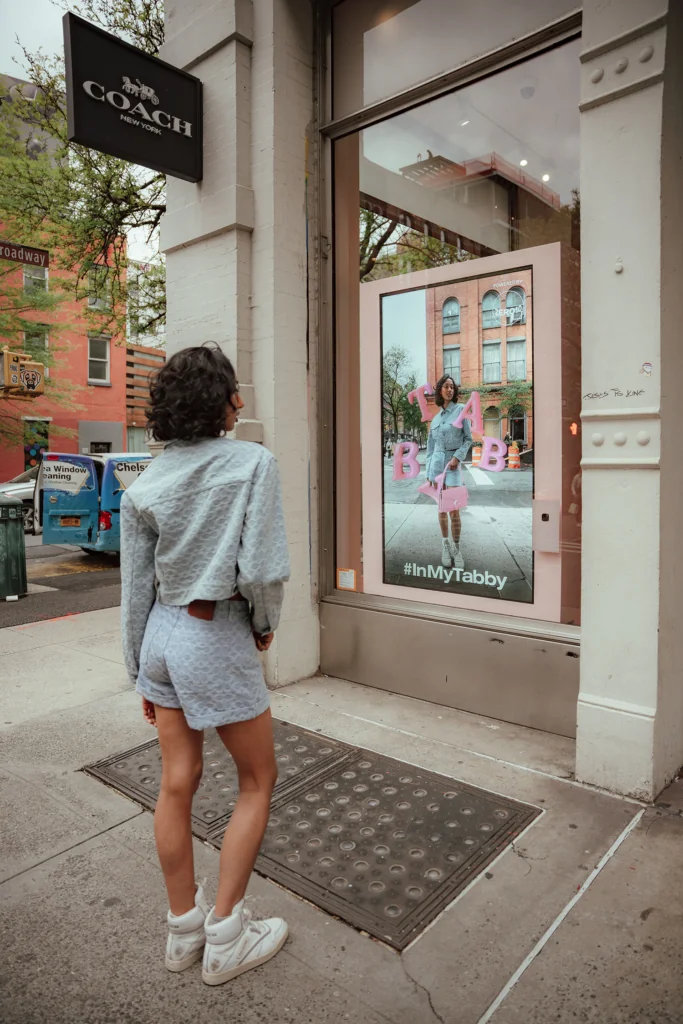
x,y
405,454
493,455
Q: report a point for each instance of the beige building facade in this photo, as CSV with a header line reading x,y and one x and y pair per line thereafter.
x,y
327,131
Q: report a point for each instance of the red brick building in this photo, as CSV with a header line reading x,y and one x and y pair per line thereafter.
x,y
94,363
480,331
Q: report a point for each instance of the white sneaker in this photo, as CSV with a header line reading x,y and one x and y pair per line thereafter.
x,y
456,555
446,553
186,934
236,944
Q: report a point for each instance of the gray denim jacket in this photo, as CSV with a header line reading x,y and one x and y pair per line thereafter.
x,y
204,521
446,442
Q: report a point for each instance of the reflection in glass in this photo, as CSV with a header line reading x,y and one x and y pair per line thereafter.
x,y
489,169
380,48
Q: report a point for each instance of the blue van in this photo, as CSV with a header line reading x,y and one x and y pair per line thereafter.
x,y
77,498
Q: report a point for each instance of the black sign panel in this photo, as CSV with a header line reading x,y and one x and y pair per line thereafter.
x,y
123,102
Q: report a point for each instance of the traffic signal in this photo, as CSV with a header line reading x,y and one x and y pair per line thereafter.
x,y
20,375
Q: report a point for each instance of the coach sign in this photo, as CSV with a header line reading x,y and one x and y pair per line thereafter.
x,y
130,105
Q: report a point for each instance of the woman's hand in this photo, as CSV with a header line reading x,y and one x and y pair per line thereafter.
x,y
263,640
454,463
149,712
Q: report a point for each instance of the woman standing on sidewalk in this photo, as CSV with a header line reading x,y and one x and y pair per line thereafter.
x,y
203,563
447,447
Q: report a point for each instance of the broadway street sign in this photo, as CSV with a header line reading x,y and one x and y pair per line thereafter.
x,y
123,102
24,254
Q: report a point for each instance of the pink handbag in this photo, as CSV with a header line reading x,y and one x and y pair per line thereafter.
x,y
448,500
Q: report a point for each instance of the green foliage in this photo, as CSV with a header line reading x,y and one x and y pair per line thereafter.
x,y
82,202
395,380
516,394
31,320
411,414
79,204
388,248
399,415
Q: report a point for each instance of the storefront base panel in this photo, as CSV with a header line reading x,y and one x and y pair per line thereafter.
x,y
512,677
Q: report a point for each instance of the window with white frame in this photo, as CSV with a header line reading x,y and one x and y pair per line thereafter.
x,y
98,288
516,352
490,310
36,342
450,315
492,367
98,360
451,363
35,279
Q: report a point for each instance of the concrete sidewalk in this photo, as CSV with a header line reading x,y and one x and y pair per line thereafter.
x,y
579,921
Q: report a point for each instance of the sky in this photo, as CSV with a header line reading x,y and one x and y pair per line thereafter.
x,y
37,23
404,324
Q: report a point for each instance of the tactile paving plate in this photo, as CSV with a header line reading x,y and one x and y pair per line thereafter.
x,y
379,843
137,772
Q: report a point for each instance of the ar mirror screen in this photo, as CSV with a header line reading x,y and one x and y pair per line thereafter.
x,y
457,437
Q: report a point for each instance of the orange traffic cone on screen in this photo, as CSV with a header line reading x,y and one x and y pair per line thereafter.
x,y
513,457
476,456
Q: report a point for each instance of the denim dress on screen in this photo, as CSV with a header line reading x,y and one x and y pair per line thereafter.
x,y
446,442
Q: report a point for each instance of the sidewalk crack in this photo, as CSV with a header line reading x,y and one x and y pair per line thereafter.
x,y
422,988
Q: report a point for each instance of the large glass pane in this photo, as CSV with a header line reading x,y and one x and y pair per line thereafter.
x,y
381,48
456,252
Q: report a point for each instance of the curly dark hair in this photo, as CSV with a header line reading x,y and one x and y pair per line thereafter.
x,y
189,395
438,397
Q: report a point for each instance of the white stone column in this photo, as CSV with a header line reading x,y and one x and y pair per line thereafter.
x,y
236,254
630,713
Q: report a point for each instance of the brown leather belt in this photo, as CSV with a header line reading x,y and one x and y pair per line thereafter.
x,y
207,609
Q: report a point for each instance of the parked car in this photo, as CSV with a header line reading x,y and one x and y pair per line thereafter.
x,y
23,487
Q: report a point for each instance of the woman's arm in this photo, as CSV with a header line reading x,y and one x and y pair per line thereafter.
x,y
464,448
138,544
262,557
430,448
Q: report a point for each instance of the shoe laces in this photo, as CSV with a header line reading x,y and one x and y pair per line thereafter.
x,y
248,917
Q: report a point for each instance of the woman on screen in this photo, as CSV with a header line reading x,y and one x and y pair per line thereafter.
x,y
447,447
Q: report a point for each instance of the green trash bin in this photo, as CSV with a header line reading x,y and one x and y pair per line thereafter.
x,y
12,549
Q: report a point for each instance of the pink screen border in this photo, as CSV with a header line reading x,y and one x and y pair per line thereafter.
x,y
545,262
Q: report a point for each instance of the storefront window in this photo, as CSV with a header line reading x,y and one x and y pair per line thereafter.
x,y
456,255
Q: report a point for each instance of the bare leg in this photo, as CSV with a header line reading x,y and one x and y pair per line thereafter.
x,y
456,526
251,746
181,772
443,523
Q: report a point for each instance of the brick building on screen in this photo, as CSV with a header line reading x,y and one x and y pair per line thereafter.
x,y
480,331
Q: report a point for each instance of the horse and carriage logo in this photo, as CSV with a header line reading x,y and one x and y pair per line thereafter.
x,y
143,92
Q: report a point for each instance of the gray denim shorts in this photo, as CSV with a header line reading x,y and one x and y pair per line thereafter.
x,y
211,670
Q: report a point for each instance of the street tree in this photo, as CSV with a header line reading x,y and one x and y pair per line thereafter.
x,y
411,414
396,377
388,247
84,203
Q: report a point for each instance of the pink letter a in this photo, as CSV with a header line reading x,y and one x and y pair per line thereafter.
x,y
471,412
